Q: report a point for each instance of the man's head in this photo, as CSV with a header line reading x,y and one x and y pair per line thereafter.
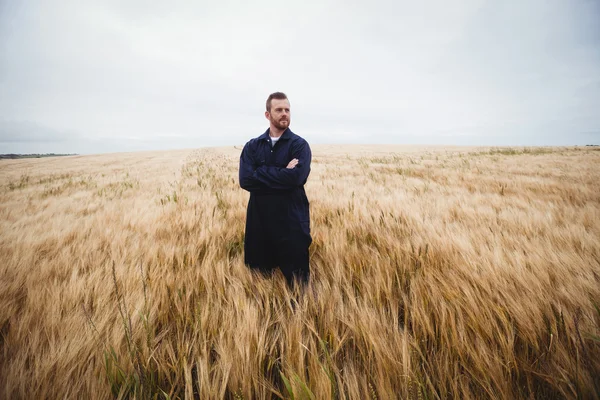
x,y
278,110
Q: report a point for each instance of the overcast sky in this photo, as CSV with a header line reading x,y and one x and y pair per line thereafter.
x,y
107,76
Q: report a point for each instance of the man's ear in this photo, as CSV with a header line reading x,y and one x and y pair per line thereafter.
x,y
267,114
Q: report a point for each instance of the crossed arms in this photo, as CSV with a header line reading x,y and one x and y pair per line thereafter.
x,y
257,178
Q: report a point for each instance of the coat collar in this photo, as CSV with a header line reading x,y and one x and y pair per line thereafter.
x,y
287,134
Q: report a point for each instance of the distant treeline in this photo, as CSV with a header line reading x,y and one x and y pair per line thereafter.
x,y
15,156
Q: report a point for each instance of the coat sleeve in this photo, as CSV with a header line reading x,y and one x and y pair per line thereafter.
x,y
284,178
247,176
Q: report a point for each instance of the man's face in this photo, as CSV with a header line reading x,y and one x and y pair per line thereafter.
x,y
280,113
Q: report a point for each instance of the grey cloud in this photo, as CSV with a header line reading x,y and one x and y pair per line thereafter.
x,y
20,132
591,133
116,76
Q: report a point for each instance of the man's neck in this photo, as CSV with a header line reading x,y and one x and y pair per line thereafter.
x,y
275,132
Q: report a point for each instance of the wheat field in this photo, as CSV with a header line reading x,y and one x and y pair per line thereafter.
x,y
437,273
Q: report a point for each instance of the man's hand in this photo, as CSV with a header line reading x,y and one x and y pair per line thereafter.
x,y
292,164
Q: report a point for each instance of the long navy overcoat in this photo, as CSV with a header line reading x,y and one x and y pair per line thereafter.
x,y
277,219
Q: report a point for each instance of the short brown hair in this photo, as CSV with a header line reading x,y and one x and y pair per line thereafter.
x,y
276,95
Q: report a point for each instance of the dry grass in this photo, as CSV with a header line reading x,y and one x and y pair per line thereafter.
x,y
437,273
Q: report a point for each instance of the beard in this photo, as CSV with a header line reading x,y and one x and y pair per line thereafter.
x,y
281,123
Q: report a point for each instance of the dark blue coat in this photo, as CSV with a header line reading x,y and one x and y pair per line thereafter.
x,y
277,219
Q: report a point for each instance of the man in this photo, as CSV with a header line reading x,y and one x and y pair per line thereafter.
x,y
274,168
